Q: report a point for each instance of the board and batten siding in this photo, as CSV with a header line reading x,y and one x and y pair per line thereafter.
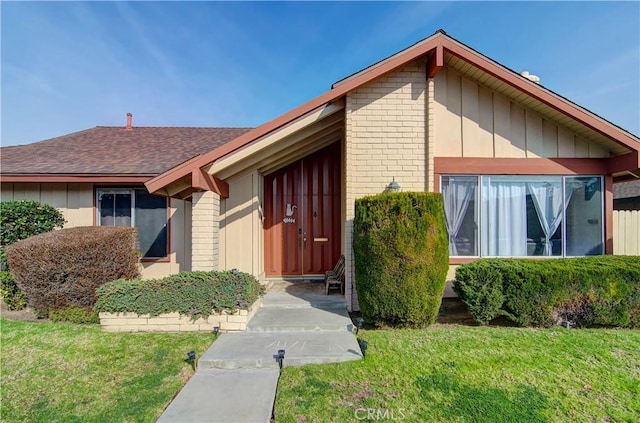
x,y
626,232
473,121
76,202
240,229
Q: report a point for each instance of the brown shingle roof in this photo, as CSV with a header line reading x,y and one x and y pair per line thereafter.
x,y
626,190
114,150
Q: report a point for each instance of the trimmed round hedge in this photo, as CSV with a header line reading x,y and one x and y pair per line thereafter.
x,y
401,254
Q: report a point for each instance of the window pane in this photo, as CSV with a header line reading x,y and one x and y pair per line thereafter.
x,y
151,222
584,216
106,209
504,216
544,216
115,209
122,209
459,195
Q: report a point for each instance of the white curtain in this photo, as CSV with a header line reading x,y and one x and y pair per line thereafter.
x,y
504,217
457,195
548,201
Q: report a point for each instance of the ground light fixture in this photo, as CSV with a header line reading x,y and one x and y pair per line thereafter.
x,y
216,331
359,323
234,272
191,358
363,346
280,357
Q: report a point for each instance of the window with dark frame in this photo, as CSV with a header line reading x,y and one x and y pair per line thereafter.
x,y
135,207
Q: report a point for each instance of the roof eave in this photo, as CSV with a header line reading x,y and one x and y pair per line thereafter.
x,y
439,42
74,178
176,173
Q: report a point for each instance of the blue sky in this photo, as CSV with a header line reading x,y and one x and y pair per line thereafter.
x,y
70,66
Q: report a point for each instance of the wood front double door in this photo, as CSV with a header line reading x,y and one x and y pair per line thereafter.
x,y
302,215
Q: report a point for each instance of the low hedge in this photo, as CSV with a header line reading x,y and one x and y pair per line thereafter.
x,y
195,294
586,291
401,255
74,315
61,269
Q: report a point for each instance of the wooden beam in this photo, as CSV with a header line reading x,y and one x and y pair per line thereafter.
x,y
627,162
520,166
435,62
201,180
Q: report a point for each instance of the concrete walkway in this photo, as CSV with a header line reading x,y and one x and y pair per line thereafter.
x,y
238,375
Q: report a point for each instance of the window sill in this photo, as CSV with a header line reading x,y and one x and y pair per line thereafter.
x,y
462,260
156,260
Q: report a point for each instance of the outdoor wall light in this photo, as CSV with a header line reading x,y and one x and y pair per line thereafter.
x,y
191,358
393,186
216,331
280,357
363,346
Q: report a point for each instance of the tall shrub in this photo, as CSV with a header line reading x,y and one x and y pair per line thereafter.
x,y
20,220
401,257
61,269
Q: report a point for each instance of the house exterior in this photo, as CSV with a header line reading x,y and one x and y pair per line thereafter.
x,y
524,172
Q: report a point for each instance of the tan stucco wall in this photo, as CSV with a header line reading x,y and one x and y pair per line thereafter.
x,y
241,234
385,139
470,120
626,232
76,202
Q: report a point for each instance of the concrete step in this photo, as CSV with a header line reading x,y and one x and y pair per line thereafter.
x,y
278,319
258,350
315,300
239,396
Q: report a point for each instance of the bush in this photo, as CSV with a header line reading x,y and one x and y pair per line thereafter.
x,y
481,288
196,294
74,315
586,291
11,294
22,219
60,269
401,256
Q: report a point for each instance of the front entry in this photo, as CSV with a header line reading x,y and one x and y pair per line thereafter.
x,y
302,215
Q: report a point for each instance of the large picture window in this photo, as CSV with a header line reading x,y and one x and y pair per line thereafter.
x,y
139,209
518,216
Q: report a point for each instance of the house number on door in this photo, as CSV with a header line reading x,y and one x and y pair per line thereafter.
x,y
289,213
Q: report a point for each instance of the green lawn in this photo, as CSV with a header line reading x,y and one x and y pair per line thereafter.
x,y
66,372
473,374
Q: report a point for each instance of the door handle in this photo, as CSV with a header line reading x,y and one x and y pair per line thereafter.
x,y
304,239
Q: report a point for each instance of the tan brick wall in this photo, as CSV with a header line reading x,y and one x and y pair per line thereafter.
x,y
385,132
173,322
205,235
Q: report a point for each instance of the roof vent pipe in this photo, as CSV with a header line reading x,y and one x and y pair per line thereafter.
x,y
532,78
129,118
